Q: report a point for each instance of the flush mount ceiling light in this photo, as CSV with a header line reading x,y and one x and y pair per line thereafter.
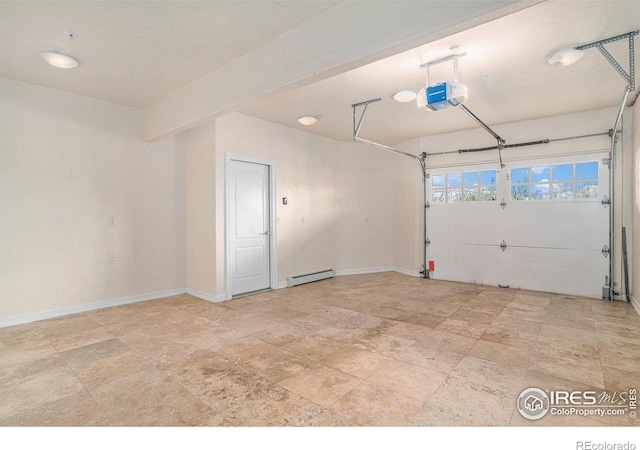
x,y
58,59
565,57
404,96
308,120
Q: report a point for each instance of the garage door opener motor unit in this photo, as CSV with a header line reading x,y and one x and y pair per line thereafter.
x,y
451,94
442,96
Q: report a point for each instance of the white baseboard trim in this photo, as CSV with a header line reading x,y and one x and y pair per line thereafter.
x,y
206,296
378,270
53,313
635,304
27,318
345,272
408,272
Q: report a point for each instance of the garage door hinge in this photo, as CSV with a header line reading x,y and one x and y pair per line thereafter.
x,y
605,251
427,241
503,203
503,245
606,201
427,205
606,162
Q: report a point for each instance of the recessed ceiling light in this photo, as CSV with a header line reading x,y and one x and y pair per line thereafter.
x,y
404,96
59,60
308,120
565,57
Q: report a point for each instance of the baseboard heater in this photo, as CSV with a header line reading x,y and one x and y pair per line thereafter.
x,y
310,277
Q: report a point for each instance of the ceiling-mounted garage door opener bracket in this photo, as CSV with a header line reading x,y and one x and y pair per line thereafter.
x,y
357,124
422,160
630,77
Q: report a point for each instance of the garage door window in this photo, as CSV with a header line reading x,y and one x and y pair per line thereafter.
x,y
556,182
464,187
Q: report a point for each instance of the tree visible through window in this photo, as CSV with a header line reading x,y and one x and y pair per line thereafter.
x,y
464,187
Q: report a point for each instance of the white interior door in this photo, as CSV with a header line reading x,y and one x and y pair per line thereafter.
x,y
553,225
249,211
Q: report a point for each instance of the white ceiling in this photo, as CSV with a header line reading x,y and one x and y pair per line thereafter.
x,y
136,53
510,82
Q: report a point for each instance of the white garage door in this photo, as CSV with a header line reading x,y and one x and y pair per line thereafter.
x,y
553,224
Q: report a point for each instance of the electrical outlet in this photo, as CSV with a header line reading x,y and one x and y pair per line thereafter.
x,y
113,259
112,221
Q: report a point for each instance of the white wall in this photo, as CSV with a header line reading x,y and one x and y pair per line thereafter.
x,y
306,226
339,213
68,163
199,147
365,208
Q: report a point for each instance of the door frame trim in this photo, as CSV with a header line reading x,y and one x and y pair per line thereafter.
x,y
273,248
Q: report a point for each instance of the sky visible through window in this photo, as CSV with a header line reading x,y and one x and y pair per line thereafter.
x,y
555,182
464,187
549,182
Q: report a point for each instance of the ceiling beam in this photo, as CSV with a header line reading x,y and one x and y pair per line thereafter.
x,y
352,34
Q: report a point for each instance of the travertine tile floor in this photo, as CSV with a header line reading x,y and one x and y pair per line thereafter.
x,y
369,350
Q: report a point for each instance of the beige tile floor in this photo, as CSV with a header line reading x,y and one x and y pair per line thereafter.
x,y
367,350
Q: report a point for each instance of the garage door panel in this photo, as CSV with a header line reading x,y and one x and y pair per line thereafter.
x,y
568,225
553,244
465,224
466,263
551,270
